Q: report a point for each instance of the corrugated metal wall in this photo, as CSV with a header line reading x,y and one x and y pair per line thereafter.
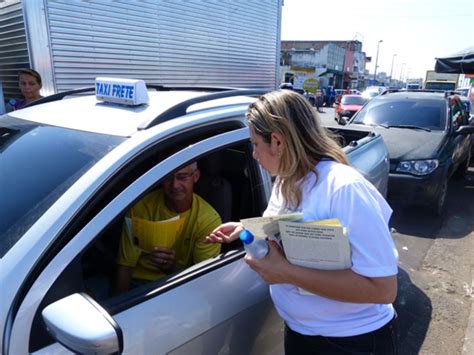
x,y
13,47
180,42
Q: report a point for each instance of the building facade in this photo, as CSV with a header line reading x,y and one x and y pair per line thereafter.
x,y
339,64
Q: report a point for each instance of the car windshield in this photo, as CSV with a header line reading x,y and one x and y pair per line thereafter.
x,y
429,114
38,163
440,86
353,100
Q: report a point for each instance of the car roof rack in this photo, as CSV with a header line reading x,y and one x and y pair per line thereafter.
x,y
410,90
60,95
451,93
181,108
174,111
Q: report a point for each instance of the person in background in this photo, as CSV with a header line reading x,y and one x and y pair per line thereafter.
x,y
30,84
332,96
347,91
319,100
286,85
175,198
350,311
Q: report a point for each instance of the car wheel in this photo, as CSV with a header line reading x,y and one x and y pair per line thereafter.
x,y
440,203
464,166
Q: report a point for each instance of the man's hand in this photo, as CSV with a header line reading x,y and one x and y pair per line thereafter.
x,y
164,259
225,233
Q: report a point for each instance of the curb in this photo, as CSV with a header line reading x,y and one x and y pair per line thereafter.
x,y
468,346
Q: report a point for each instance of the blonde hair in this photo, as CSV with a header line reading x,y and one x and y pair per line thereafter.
x,y
306,142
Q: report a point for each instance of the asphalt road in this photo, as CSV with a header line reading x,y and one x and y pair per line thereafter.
x,y
436,267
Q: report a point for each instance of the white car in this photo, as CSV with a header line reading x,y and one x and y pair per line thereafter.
x,y
71,167
370,93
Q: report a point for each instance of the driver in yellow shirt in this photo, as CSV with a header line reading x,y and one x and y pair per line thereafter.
x,y
175,198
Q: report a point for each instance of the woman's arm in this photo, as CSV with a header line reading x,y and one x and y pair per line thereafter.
x,y
340,285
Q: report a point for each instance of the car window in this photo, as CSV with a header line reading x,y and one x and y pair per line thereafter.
x,y
353,100
38,164
423,113
458,110
440,86
227,187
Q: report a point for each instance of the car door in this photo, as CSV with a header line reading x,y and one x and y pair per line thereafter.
x,y
217,306
461,143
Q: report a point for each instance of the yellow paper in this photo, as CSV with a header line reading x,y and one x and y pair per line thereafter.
x,y
333,222
152,234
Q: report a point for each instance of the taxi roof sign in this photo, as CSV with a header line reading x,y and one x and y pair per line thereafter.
x,y
122,91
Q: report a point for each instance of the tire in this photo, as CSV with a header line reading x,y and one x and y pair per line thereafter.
x,y
463,167
440,203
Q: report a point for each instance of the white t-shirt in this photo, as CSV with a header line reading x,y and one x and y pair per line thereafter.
x,y
342,193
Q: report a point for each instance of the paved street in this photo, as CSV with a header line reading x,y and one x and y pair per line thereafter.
x,y
436,271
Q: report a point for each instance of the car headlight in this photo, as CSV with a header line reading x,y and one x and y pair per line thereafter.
x,y
417,167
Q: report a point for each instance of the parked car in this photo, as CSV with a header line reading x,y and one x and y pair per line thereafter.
x,y
74,163
339,93
426,147
348,106
342,92
471,123
309,96
370,93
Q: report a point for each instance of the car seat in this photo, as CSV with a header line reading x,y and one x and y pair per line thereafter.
x,y
214,187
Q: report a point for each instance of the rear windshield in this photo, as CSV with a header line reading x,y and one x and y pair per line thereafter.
x,y
38,163
353,100
417,112
440,86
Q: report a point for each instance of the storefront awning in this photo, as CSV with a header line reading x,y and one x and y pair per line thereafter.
x,y
461,62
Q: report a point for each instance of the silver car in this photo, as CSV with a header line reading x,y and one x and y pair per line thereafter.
x,y
70,168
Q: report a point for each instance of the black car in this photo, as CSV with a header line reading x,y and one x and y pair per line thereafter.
x,y
428,138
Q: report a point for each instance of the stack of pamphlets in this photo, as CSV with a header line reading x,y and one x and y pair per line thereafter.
x,y
322,245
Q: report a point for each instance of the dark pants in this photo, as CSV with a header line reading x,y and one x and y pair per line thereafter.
x,y
382,341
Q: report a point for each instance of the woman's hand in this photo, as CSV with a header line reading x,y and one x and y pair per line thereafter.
x,y
274,267
225,233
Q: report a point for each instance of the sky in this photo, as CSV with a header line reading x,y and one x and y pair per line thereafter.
x,y
413,32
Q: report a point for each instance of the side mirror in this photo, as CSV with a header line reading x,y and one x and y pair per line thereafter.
x,y
343,121
83,326
463,130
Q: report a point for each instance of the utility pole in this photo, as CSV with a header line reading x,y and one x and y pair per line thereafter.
x,y
376,60
401,70
391,70
344,64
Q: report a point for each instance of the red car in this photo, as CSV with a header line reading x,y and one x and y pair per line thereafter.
x,y
348,105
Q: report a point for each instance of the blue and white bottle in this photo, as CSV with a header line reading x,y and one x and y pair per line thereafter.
x,y
256,248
